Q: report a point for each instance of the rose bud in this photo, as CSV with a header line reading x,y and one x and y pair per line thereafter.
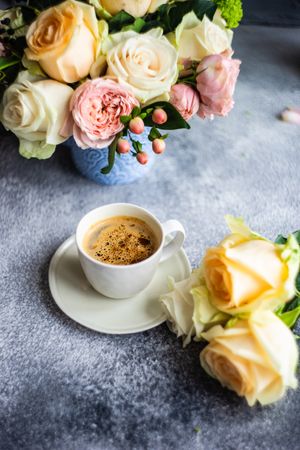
x,y
142,158
159,116
216,79
136,125
158,146
123,146
291,115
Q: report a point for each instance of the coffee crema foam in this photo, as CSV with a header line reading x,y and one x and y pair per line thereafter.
x,y
120,240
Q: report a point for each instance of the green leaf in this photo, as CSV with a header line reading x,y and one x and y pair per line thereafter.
x,y
136,111
282,240
33,67
200,8
100,11
119,21
297,283
169,15
8,61
290,312
154,134
138,147
292,304
125,119
297,235
111,155
175,120
136,26
290,317
231,322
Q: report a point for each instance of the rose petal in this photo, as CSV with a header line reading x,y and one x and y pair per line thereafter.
x,y
291,115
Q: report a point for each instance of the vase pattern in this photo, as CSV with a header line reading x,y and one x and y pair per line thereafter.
x,y
126,169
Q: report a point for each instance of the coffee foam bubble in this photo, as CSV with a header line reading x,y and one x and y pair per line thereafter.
x,y
120,240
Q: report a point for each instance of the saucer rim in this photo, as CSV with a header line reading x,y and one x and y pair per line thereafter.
x,y
55,295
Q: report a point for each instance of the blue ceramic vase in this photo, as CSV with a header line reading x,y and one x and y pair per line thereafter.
x,y
126,168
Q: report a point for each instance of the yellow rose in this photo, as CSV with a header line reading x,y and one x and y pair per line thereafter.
x,y
136,8
246,271
64,40
256,358
196,38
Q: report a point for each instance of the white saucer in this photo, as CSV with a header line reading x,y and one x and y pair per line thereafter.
x,y
78,300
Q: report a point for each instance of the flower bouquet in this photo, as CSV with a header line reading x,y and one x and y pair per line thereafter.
x,y
243,300
106,71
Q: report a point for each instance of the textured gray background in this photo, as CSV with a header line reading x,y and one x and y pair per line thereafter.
x,y
63,387
272,12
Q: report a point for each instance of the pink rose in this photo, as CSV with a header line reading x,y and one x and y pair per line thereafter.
x,y
217,75
96,107
185,99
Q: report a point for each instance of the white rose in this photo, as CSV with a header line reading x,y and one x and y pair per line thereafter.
x,y
136,8
35,109
196,38
188,309
146,63
256,358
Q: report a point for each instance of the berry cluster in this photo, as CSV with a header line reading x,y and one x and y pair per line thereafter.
x,y
136,126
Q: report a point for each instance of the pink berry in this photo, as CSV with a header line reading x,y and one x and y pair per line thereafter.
x,y
159,116
142,158
136,125
123,146
158,146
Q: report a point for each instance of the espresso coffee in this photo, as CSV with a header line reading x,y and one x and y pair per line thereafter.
x,y
120,240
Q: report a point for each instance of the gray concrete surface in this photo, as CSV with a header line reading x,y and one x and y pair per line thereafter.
x,y
63,387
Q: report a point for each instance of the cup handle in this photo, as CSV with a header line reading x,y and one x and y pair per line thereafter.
x,y
172,226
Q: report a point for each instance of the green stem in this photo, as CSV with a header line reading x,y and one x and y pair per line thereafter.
x,y
9,64
192,83
111,155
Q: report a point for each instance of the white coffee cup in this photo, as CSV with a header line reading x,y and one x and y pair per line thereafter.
x,y
122,281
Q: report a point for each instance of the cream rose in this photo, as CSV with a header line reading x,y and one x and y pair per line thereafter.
x,y
64,40
188,309
137,8
244,273
35,109
247,272
178,305
196,38
146,63
256,358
